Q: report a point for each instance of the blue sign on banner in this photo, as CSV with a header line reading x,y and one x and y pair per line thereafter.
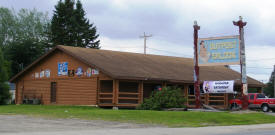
x,y
62,68
219,51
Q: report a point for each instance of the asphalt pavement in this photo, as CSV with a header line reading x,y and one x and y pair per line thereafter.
x,y
26,125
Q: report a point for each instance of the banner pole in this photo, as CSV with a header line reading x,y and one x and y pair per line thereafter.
x,y
241,24
196,67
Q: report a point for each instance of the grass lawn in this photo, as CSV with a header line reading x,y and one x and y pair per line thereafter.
x,y
167,118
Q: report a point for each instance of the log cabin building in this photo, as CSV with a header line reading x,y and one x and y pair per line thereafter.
x,y
83,76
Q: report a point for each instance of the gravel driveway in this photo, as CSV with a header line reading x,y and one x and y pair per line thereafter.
x,y
27,125
21,123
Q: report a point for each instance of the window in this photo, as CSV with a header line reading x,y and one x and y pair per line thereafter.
x,y
106,86
252,97
191,90
128,86
260,96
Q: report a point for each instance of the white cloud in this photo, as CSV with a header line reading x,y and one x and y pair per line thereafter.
x,y
120,22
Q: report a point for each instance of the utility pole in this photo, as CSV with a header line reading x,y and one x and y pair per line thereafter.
x,y
196,67
145,38
241,24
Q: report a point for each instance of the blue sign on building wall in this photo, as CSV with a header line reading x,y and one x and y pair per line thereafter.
x,y
62,68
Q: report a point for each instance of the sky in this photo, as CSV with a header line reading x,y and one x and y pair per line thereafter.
x,y
120,23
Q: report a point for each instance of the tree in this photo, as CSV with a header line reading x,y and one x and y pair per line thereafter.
x,y
7,27
24,52
70,27
4,88
23,37
269,90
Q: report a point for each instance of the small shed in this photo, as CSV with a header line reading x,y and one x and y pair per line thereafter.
x,y
84,76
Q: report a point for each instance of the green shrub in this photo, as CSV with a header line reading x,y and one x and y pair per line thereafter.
x,y
4,93
168,97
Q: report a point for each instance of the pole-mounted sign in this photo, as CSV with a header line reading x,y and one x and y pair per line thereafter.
x,y
196,67
241,24
219,51
229,50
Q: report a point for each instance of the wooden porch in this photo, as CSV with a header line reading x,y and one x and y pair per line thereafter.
x,y
219,101
125,93
115,93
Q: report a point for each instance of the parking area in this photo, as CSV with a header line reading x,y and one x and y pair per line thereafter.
x,y
27,124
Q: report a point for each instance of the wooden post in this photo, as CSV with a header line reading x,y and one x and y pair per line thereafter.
x,y
196,67
226,101
140,92
98,90
114,92
207,99
117,92
164,84
224,97
186,93
241,24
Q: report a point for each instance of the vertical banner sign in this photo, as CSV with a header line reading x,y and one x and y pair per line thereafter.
x,y
219,51
62,68
218,86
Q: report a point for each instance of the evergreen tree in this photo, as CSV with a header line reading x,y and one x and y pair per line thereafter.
x,y
4,88
269,90
70,27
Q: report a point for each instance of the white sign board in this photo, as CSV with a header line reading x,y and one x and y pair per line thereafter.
x,y
218,86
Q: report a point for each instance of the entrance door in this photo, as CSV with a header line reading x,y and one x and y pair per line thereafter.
x,y
53,92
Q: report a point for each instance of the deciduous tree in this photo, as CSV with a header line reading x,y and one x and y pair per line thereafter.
x,y
23,37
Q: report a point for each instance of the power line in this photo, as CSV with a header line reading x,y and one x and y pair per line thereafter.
x,y
254,67
169,52
261,59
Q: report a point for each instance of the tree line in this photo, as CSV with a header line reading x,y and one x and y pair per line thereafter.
x,y
27,34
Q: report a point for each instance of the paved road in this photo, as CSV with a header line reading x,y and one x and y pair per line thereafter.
x,y
25,125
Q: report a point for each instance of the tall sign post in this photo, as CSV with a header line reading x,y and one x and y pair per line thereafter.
x,y
241,24
196,67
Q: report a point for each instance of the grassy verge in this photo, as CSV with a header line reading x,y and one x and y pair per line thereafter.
x,y
167,118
